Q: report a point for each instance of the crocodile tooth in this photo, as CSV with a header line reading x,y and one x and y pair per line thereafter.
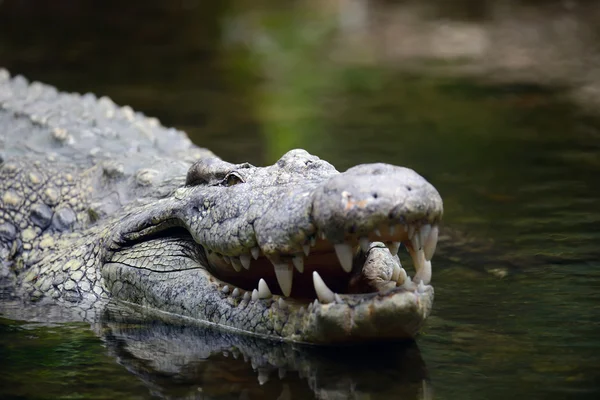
x,y
263,290
337,298
236,264
421,287
344,255
416,242
364,244
396,272
392,230
245,260
263,376
324,294
282,304
306,249
430,243
281,372
422,266
425,275
246,296
322,235
284,273
227,260
411,231
377,232
255,252
424,232
298,262
393,247
236,292
225,289
313,241
254,295
402,276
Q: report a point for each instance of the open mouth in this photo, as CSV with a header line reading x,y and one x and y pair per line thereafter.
x,y
328,272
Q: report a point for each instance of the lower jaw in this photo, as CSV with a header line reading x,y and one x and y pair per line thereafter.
x,y
394,314
397,314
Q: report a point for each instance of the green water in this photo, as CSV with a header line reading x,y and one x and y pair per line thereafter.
x,y
515,154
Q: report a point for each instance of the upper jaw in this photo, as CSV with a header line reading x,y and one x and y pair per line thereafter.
x,y
371,202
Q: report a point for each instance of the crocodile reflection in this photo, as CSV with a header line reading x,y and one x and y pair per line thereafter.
x,y
182,361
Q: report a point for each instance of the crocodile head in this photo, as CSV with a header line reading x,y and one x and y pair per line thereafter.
x,y
295,251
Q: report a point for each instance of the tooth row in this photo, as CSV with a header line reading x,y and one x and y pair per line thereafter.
x,y
324,294
423,240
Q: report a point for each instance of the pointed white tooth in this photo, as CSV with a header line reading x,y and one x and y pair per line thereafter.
x,y
392,230
402,277
236,264
424,232
284,273
306,249
411,231
225,289
396,272
377,232
236,292
324,294
322,235
364,244
422,266
263,290
263,376
424,275
430,243
421,287
313,241
245,260
345,256
254,295
316,303
416,242
227,260
282,304
255,252
337,298
408,283
393,247
247,295
298,262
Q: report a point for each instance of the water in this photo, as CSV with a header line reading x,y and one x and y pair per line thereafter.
x,y
494,102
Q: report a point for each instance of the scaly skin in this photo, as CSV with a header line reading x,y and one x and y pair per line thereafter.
x,y
100,202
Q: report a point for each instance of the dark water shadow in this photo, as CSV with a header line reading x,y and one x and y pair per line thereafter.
x,y
176,360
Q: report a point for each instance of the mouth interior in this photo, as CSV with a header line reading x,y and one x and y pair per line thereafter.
x,y
323,259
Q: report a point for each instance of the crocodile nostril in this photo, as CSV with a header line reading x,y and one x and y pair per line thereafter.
x,y
375,195
408,188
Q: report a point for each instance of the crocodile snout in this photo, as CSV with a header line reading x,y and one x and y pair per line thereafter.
x,y
361,199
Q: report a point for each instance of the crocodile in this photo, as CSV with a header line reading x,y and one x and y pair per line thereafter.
x,y
99,202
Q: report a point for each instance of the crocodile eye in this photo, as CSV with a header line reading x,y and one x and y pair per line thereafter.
x,y
233,178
